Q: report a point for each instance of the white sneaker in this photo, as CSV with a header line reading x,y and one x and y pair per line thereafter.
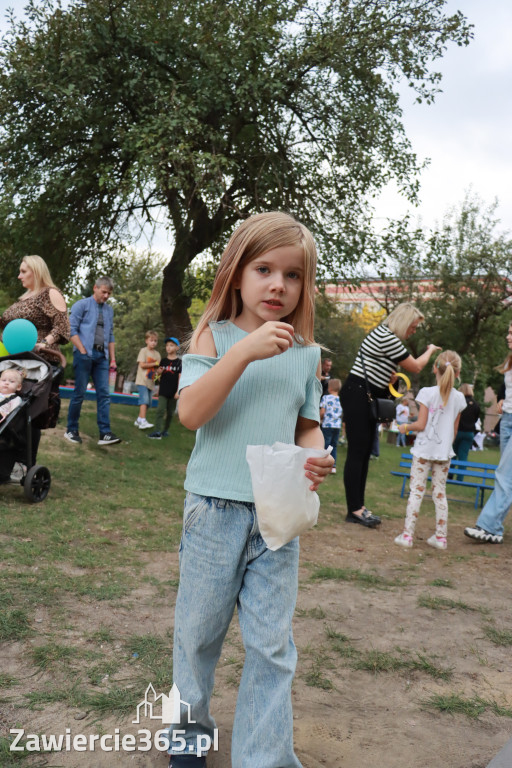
x,y
479,534
136,422
438,542
144,424
404,540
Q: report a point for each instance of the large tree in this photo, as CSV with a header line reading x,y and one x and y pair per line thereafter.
x,y
114,112
467,297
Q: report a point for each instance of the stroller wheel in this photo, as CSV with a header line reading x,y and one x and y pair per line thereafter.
x,y
37,483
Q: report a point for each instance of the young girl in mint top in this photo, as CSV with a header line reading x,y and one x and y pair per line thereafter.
x,y
437,423
252,377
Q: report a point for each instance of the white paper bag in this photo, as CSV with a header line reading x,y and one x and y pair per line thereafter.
x,y
285,506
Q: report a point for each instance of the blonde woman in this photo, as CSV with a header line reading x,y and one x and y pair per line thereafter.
x,y
383,351
43,304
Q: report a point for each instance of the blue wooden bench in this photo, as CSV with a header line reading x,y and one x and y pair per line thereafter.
x,y
468,474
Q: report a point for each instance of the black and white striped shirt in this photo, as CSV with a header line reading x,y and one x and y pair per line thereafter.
x,y
382,351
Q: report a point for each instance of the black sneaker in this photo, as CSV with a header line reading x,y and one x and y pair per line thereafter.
x,y
73,437
187,761
108,439
155,435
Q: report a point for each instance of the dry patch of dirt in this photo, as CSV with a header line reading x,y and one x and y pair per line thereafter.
x,y
345,717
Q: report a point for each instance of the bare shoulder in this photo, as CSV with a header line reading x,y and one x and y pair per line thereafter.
x,y
204,344
57,299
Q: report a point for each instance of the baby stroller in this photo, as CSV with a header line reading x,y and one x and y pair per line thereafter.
x,y
16,428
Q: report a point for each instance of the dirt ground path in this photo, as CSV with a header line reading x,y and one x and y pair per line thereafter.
x,y
380,631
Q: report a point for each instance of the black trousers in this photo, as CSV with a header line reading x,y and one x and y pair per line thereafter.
x,y
360,434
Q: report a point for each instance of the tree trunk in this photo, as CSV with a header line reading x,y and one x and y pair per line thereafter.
x,y
174,303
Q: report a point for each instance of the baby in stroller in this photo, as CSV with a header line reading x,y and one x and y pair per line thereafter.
x,y
11,380
25,381
10,384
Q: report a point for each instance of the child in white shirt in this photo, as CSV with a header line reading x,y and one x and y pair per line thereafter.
x,y
438,420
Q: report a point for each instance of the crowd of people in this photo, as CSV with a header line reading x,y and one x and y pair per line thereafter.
x,y
253,375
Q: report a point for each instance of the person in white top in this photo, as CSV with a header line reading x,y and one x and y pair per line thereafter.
x,y
402,417
438,420
505,402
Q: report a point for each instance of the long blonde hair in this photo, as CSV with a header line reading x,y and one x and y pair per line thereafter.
x,y
507,363
448,365
402,317
254,237
42,277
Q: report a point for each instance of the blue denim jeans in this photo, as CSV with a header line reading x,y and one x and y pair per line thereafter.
x,y
225,564
498,504
505,429
331,437
85,366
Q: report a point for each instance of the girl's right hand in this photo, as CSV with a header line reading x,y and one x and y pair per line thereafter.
x,y
499,406
271,339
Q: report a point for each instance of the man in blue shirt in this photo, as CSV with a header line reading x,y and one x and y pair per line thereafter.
x,y
92,333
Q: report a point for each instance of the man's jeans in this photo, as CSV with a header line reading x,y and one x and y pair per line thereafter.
x,y
95,366
495,510
225,564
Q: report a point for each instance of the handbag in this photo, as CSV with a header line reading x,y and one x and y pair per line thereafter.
x,y
381,408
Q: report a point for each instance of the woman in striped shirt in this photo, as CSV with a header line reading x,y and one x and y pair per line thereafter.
x,y
383,350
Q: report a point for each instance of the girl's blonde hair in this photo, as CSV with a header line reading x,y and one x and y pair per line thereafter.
x,y
466,389
507,363
19,372
402,317
42,277
448,365
255,236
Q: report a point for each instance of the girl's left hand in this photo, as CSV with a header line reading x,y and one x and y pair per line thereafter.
x,y
317,468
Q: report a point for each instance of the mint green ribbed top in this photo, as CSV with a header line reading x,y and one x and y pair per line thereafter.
x,y
262,407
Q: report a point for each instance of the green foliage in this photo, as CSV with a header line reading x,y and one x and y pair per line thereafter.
x,y
116,116
467,305
138,283
335,331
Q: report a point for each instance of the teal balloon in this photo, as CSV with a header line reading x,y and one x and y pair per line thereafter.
x,y
3,350
19,336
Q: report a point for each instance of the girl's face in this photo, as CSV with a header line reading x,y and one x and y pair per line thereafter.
x,y
26,276
270,286
509,337
9,382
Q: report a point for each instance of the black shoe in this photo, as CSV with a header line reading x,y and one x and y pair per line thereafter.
x,y
375,517
108,439
187,761
73,437
366,519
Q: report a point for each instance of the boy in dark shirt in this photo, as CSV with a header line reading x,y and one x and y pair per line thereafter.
x,y
168,373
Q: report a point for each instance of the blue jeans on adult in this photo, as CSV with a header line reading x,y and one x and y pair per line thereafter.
x,y
224,563
85,367
505,429
331,437
498,504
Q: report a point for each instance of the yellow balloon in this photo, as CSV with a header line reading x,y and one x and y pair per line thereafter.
x,y
3,350
407,384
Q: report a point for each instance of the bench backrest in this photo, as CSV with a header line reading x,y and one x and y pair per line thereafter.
x,y
458,467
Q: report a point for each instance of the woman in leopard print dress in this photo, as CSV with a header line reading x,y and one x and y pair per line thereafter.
x,y
44,305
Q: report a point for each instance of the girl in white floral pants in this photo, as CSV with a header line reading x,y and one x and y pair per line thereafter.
x,y
437,424
420,470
